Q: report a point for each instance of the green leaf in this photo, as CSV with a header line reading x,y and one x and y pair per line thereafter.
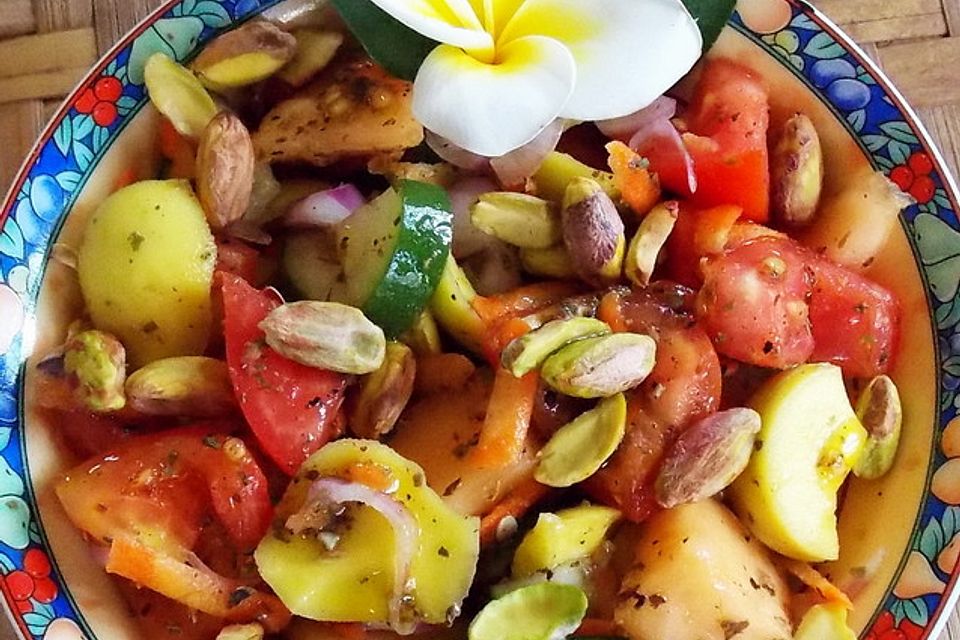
x,y
396,48
711,17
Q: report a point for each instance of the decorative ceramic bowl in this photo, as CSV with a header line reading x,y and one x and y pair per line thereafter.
x,y
900,537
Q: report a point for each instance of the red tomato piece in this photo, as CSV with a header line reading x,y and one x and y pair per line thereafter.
x,y
150,500
684,386
292,409
169,481
753,303
727,123
237,257
855,321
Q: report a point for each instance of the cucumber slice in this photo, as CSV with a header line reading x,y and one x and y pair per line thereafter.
x,y
311,267
545,611
394,250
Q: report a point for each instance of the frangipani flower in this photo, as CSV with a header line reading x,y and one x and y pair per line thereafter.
x,y
505,69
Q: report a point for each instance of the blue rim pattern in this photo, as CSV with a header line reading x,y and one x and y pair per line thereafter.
x,y
95,115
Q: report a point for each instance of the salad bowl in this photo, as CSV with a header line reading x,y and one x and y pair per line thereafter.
x,y
900,535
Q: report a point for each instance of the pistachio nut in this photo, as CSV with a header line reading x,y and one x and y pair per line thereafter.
x,y
193,386
225,170
644,251
593,232
600,367
384,393
796,172
560,169
528,352
96,365
881,414
315,50
178,95
518,219
707,457
552,262
423,336
251,631
326,335
244,56
578,449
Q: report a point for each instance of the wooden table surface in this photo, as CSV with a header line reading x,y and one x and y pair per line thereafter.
x,y
47,45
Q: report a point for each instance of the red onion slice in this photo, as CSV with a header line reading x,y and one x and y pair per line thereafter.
x,y
467,239
662,135
663,108
406,532
514,168
325,209
460,158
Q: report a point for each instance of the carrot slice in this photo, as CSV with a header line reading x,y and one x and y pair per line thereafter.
x,y
517,503
639,187
521,301
190,582
611,312
817,581
177,149
505,427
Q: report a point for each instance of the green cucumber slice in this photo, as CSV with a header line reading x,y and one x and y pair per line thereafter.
x,y
394,250
312,268
545,611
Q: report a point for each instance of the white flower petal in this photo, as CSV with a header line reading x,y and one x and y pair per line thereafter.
x,y
451,22
491,109
628,52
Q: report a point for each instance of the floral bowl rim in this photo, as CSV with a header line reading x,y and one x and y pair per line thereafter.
x,y
37,600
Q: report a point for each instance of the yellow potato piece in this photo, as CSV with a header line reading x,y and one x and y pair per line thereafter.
x,y
354,582
145,267
698,575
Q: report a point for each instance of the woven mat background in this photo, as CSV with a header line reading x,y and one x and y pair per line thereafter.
x,y
47,45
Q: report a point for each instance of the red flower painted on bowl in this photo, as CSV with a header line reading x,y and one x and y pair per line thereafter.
x,y
886,629
100,100
32,582
915,177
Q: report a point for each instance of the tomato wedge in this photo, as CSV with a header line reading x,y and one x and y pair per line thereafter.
x,y
683,387
292,409
753,303
727,122
153,498
855,321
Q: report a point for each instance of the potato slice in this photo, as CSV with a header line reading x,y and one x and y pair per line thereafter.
x,y
698,575
145,269
354,110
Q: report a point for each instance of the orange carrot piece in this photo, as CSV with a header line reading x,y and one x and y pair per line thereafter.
x,y
817,581
505,427
521,301
177,149
639,187
713,227
599,627
516,504
611,312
